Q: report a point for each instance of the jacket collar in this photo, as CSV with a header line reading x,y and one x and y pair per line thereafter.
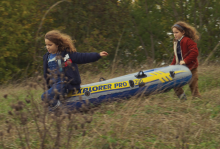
x,y
181,38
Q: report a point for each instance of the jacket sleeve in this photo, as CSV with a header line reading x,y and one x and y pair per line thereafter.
x,y
82,58
174,58
45,70
192,53
44,67
174,61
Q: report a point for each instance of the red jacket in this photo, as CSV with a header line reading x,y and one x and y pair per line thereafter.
x,y
189,53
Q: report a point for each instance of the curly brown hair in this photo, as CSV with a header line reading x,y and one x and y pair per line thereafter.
x,y
189,30
63,41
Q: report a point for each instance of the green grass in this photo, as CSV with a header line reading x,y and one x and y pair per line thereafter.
x,y
158,121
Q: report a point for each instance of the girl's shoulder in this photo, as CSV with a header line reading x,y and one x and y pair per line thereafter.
x,y
63,53
187,40
46,54
66,54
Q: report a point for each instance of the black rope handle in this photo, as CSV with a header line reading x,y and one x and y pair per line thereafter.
x,y
140,75
102,79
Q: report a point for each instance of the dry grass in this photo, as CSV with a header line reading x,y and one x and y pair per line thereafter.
x,y
158,121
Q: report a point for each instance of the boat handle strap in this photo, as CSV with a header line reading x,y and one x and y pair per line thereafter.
x,y
140,75
102,79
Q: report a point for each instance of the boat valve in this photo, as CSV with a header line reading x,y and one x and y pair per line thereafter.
x,y
172,74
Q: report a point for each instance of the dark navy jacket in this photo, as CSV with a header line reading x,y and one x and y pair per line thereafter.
x,y
72,75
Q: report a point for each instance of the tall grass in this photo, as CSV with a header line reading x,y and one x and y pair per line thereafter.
x,y
158,121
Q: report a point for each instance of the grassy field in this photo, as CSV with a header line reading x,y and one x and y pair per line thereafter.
x,y
156,122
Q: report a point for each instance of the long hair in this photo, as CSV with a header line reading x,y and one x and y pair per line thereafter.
x,y
190,31
63,41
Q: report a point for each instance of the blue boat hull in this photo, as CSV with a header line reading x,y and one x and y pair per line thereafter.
x,y
146,82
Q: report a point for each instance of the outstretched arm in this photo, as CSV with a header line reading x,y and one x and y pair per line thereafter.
x,y
82,58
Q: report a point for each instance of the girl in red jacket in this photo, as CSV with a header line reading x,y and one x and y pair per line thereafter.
x,y
186,53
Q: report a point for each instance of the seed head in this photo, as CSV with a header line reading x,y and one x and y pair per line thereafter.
x,y
9,128
24,120
37,115
5,96
92,111
63,117
16,112
34,85
36,72
39,78
82,125
21,103
10,113
69,63
85,118
61,97
58,57
45,104
69,116
53,116
84,133
49,75
27,100
30,85
55,91
18,107
13,106
62,75
76,126
58,112
50,82
55,76
89,121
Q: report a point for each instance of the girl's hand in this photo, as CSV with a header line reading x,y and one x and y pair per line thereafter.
x,y
103,53
182,63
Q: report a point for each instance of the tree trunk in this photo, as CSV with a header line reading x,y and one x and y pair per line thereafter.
x,y
175,12
200,16
152,46
194,12
143,45
142,42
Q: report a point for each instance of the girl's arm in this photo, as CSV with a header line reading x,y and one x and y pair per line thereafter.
x,y
193,52
82,58
174,58
174,61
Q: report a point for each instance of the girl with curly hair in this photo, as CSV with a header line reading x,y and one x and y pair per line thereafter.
x,y
186,53
60,66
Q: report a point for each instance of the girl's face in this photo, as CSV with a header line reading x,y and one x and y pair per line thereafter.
x,y
51,47
177,34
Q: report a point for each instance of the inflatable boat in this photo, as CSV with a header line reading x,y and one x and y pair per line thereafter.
x,y
145,82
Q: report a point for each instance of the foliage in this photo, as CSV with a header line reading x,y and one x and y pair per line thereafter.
x,y
130,31
17,23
